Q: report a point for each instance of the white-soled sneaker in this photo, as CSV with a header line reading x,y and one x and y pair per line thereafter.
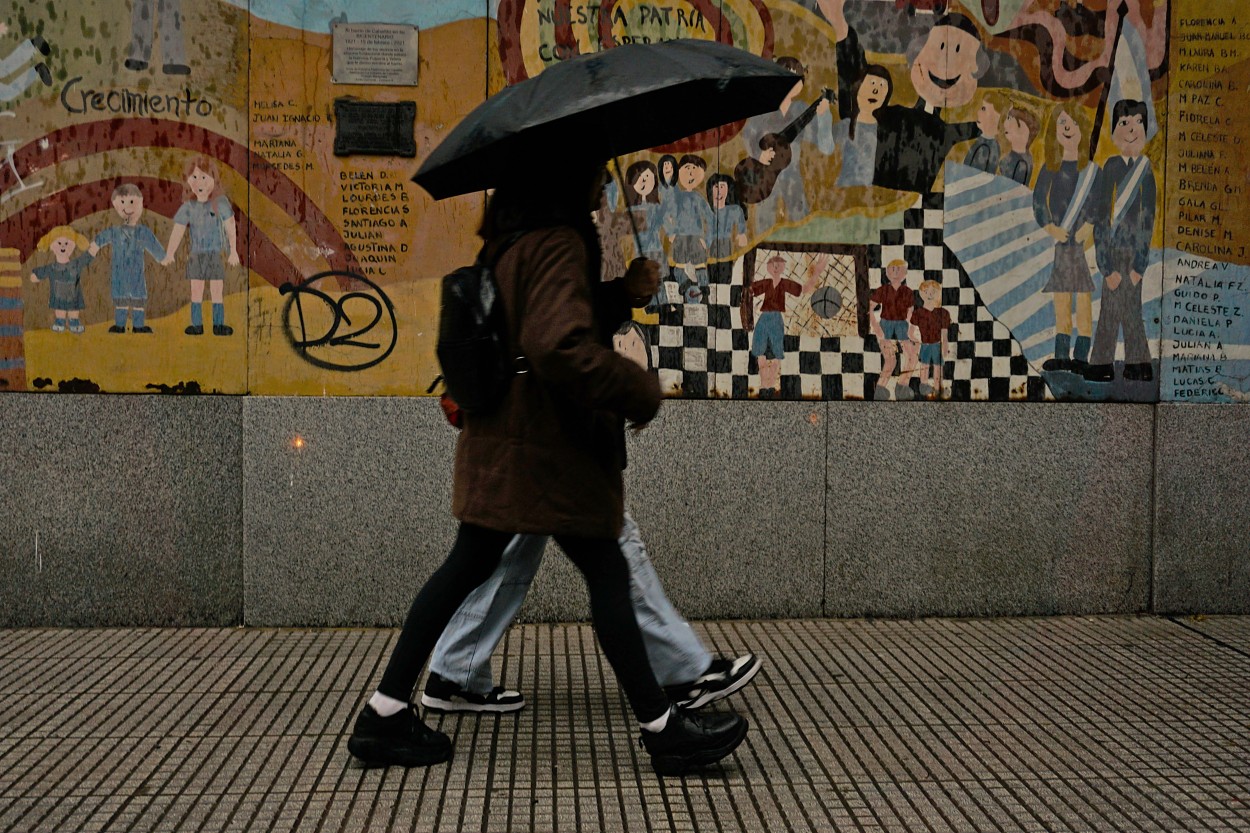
x,y
722,678
442,695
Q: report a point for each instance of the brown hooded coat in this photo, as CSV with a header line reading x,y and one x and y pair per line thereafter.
x,y
549,459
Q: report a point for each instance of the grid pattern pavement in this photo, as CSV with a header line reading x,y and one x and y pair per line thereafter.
x,y
1137,724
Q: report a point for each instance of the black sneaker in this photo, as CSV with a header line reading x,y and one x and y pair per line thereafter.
x,y
116,329
195,330
399,740
223,330
442,695
691,741
722,678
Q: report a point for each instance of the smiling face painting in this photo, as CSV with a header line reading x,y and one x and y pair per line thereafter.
x,y
946,69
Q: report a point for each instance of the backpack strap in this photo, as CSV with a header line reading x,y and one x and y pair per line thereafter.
x,y
489,256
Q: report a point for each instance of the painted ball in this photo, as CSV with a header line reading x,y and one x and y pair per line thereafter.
x,y
826,302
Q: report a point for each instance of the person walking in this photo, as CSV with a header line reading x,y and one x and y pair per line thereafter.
x,y
460,677
547,461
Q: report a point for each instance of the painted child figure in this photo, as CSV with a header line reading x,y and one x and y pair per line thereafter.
x,y
64,275
1019,128
986,151
129,241
1125,199
207,214
932,324
768,340
688,219
892,306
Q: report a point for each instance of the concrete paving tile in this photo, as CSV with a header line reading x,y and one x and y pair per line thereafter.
x,y
1124,725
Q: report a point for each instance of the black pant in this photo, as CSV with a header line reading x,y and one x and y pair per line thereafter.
x,y
471,561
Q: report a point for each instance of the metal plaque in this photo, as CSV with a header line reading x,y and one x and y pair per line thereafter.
x,y
374,53
380,128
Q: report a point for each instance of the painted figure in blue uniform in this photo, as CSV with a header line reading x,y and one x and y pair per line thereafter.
x,y
129,242
207,215
64,277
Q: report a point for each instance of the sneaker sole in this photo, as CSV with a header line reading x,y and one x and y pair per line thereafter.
x,y
455,706
380,753
712,696
686,764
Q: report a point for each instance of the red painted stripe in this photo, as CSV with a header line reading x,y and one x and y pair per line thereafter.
x,y
89,138
162,196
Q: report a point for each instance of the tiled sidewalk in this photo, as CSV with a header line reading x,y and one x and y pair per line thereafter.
x,y
1067,724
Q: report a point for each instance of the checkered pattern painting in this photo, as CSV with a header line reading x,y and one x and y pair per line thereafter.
x,y
704,349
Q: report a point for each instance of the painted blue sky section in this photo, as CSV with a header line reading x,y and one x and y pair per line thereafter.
x,y
315,15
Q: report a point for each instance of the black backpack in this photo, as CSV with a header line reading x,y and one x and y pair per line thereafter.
x,y
473,335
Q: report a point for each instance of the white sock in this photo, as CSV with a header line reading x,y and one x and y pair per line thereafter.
x,y
659,723
386,706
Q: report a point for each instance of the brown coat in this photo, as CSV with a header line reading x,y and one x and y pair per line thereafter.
x,y
549,459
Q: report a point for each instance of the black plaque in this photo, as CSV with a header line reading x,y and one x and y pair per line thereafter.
x,y
377,128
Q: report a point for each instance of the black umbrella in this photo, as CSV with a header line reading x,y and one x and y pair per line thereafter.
x,y
607,103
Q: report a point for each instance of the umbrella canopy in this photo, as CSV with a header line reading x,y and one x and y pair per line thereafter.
x,y
604,104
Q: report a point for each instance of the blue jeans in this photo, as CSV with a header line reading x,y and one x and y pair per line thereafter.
x,y
463,652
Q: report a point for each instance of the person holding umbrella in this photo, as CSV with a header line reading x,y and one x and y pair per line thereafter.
x,y
548,460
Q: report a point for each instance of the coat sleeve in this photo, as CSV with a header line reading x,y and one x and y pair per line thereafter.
x,y
557,332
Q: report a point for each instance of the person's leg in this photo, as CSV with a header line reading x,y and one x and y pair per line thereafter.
x,y
217,291
388,729
472,559
607,580
197,298
462,654
889,350
675,653
1136,344
1084,329
689,673
18,58
173,47
19,85
677,741
142,32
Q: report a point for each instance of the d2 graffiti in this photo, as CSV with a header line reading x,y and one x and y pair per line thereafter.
x,y
338,330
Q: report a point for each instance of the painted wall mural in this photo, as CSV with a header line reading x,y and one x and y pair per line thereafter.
x,y
962,199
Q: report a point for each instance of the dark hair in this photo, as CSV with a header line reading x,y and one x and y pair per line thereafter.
x,y
731,198
635,171
668,157
1129,107
875,70
632,327
959,21
531,198
792,64
691,159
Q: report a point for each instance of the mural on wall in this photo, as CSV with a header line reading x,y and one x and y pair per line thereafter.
x,y
113,101
966,199
178,210
995,169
